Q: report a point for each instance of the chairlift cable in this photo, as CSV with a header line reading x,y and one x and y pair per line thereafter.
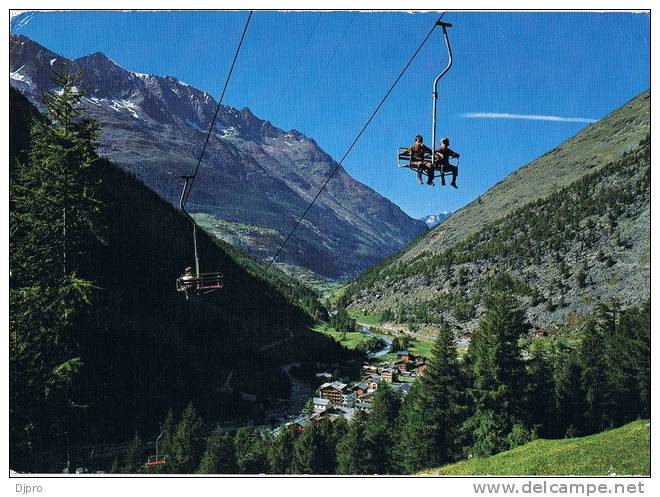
x,y
329,60
350,148
298,59
217,110
211,281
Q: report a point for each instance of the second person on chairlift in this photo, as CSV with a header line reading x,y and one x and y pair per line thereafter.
x,y
442,155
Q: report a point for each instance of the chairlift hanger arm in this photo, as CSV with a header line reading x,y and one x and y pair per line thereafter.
x,y
444,26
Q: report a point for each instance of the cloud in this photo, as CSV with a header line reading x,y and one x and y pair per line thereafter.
x,y
527,117
19,18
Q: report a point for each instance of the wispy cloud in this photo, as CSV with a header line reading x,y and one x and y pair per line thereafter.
x,y
528,117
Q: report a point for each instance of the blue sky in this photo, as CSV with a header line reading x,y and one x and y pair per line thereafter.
x,y
324,73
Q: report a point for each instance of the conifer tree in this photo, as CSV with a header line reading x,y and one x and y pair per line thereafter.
x,y
540,391
569,396
381,430
133,460
250,451
593,369
280,452
314,450
499,376
188,442
433,412
352,446
53,215
218,457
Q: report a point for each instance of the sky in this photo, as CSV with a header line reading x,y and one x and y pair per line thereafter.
x,y
521,82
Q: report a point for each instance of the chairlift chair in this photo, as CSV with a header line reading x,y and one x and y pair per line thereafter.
x,y
197,283
403,156
156,459
404,160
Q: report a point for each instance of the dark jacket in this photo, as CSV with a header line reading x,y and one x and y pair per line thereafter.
x,y
442,156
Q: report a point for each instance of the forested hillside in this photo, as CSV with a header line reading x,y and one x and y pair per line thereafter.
x,y
578,245
101,344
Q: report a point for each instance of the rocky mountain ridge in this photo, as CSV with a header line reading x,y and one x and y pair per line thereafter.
x,y
253,174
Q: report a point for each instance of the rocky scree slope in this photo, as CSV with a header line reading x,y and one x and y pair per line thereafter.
x,y
586,241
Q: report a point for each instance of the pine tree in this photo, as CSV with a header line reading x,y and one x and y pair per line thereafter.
x,y
381,430
594,381
643,359
540,391
250,450
280,452
569,396
133,460
53,214
187,442
433,413
352,446
218,458
499,375
314,450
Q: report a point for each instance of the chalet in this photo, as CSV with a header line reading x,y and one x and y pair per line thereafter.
x,y
403,366
348,399
320,404
325,375
389,375
333,414
405,356
367,371
360,389
334,392
421,369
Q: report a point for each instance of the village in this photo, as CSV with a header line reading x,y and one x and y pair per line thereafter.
x,y
334,399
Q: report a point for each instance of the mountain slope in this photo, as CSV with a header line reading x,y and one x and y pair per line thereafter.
x,y
253,173
592,149
563,251
622,451
145,349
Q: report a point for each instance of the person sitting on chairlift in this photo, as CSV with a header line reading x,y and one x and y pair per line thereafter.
x,y
417,161
188,280
442,156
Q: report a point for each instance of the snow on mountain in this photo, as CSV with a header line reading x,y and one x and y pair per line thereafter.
x,y
432,220
254,175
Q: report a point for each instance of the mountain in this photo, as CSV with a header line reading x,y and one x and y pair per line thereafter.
x,y
432,220
255,179
142,347
565,232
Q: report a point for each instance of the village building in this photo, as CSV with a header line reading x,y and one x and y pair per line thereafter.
x,y
320,404
348,399
389,375
360,389
367,371
334,392
405,356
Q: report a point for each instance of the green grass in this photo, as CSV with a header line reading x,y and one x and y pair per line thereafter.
x,y
351,340
373,318
621,451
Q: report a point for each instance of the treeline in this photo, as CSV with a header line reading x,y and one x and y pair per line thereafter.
x,y
496,398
